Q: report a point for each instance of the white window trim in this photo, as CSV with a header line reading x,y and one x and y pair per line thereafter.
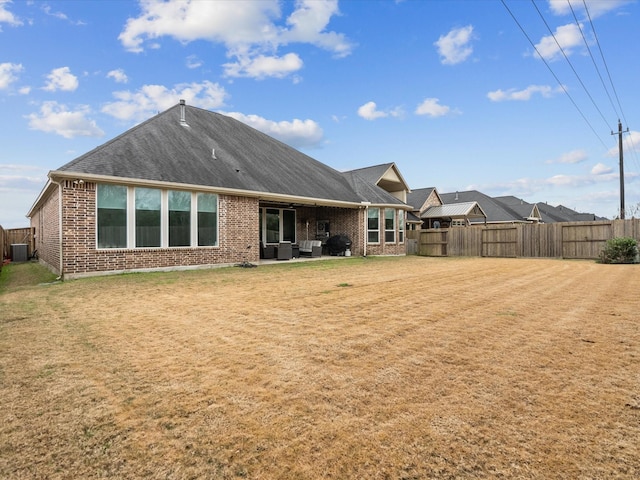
x,y
263,226
393,228
373,230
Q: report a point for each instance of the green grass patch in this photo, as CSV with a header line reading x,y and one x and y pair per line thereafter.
x,y
14,276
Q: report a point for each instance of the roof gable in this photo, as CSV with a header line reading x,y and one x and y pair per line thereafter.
x,y
422,198
387,176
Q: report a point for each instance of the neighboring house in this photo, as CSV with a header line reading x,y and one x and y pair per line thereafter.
x,y
495,211
191,188
510,209
421,199
527,211
429,208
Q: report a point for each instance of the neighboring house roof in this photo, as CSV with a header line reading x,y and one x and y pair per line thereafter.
x,y
418,197
195,147
496,212
413,218
578,216
524,209
551,214
467,210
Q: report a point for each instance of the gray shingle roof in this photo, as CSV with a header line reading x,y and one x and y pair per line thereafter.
x,y
495,211
163,150
368,192
417,197
374,173
520,207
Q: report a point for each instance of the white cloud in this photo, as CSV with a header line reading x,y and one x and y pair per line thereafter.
x,y
454,47
572,157
432,108
6,16
601,169
118,75
8,74
567,36
252,34
369,111
61,79
193,62
523,95
56,118
297,133
262,66
630,141
596,7
150,99
308,22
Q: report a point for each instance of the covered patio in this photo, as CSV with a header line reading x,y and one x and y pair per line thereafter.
x,y
453,215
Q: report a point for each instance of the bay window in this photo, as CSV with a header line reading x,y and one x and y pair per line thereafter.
x,y
389,225
373,225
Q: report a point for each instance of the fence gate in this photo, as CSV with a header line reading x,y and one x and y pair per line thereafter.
x,y
433,243
500,242
585,241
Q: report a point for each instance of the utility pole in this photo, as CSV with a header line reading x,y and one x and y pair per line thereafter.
x,y
620,132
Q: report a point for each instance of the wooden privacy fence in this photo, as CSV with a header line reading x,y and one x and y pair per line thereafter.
x,y
579,240
16,235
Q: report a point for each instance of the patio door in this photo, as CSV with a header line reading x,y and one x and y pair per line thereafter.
x,y
277,225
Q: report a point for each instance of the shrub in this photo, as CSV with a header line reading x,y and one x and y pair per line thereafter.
x,y
620,250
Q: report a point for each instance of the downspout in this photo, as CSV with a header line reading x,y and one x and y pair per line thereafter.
x,y
59,184
364,236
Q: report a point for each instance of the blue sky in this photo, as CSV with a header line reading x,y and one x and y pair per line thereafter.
x,y
459,94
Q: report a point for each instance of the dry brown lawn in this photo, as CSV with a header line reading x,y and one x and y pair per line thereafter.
x,y
398,368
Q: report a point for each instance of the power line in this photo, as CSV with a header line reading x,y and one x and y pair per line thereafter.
x,y
595,35
603,59
592,59
570,64
554,75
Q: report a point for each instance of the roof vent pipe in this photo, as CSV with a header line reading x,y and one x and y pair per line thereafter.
x,y
183,117
456,195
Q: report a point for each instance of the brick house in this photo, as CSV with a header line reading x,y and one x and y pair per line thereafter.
x,y
191,188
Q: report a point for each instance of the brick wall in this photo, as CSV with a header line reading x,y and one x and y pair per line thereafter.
x,y
46,222
238,219
237,222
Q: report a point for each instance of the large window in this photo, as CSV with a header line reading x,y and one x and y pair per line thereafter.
x,y
148,217
179,219
389,225
401,226
373,225
129,217
207,219
277,225
112,216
